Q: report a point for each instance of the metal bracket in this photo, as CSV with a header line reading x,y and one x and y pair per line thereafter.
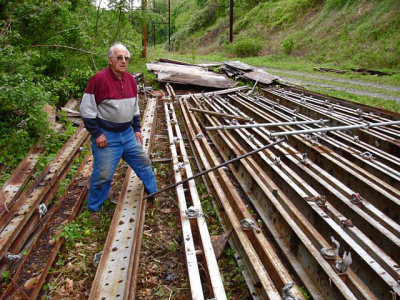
x,y
356,198
179,167
250,137
356,138
173,121
248,224
192,212
359,113
286,292
198,136
97,257
42,210
277,161
304,159
367,155
331,253
321,201
347,223
175,140
342,265
13,257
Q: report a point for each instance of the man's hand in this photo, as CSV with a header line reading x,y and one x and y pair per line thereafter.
x,y
139,137
101,141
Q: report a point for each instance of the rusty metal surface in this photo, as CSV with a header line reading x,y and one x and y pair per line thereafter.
x,y
115,277
367,255
263,264
13,222
13,187
68,204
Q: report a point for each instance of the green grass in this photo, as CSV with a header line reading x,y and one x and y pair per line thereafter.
x,y
390,105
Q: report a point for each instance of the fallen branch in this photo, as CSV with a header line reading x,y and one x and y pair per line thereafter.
x,y
67,47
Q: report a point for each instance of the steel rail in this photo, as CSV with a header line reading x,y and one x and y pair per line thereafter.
x,y
308,252
244,136
376,162
340,118
349,112
374,188
13,222
14,186
221,92
189,246
371,137
211,265
43,258
118,267
326,129
263,102
266,273
372,211
226,127
384,164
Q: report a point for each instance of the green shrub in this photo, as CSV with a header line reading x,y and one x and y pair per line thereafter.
x,y
244,47
288,45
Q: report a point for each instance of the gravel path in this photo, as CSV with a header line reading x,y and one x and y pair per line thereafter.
x,y
323,77
338,88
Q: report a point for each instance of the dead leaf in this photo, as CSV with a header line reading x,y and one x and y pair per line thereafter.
x,y
52,242
69,285
166,210
30,283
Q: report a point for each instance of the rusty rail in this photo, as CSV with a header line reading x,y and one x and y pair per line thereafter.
x,y
42,258
117,271
288,172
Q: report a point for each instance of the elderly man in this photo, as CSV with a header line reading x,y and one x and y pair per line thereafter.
x,y
110,112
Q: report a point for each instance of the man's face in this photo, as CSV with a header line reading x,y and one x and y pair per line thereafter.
x,y
118,63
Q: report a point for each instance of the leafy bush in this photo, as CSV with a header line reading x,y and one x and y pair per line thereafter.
x,y
288,45
245,47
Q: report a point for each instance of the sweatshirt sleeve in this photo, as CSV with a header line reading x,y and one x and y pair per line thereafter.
x,y
136,113
89,109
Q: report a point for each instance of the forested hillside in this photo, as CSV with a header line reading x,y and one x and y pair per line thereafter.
x,y
49,49
356,33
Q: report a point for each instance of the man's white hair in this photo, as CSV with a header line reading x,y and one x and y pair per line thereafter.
x,y
119,46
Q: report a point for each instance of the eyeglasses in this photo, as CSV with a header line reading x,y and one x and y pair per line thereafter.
x,y
121,58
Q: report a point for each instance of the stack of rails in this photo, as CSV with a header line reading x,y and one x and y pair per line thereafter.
x,y
196,238
312,188
21,223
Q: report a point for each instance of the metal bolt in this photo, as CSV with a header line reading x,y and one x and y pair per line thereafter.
x,y
333,252
179,167
42,210
97,257
343,264
192,212
356,198
248,224
198,136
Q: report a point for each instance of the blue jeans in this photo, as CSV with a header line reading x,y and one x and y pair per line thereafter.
x,y
119,145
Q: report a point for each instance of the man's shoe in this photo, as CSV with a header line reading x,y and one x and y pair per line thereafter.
x,y
94,216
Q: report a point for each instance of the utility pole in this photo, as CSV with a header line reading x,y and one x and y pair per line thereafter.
x,y
144,8
231,22
169,25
